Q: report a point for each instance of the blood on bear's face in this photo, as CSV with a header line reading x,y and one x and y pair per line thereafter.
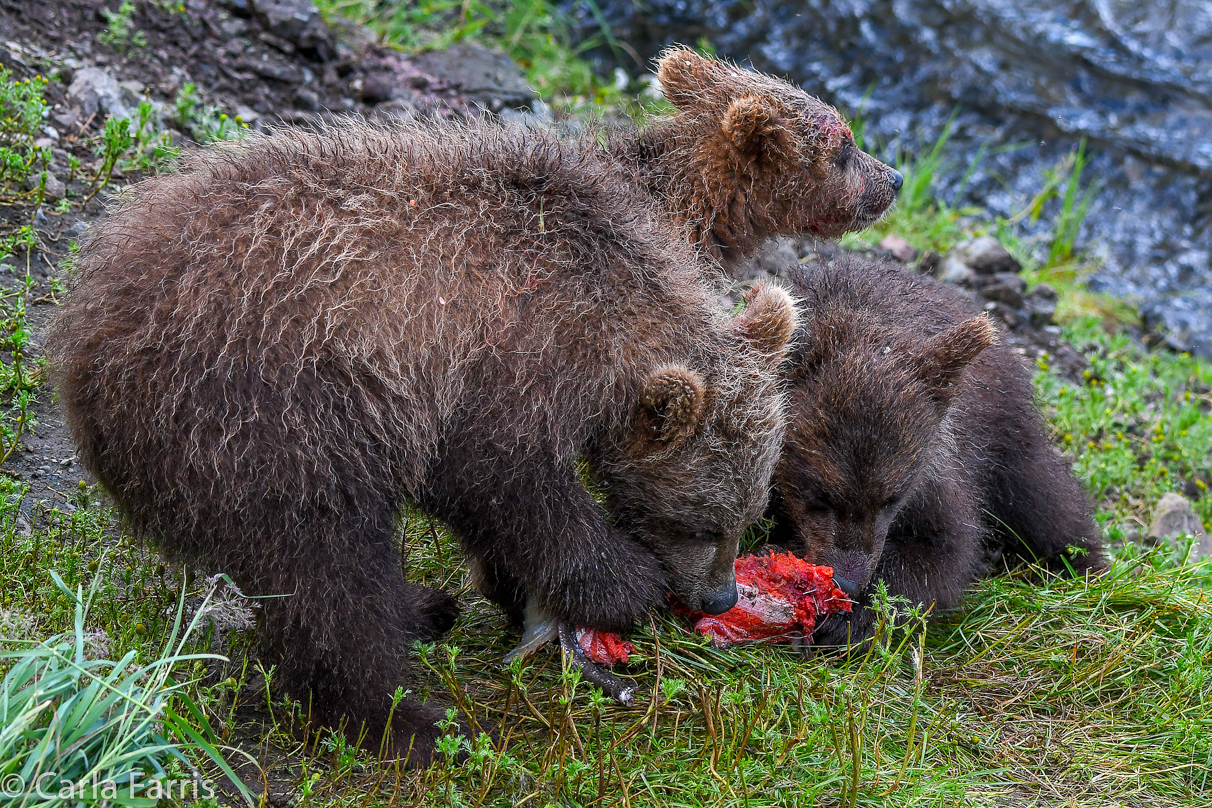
x,y
770,159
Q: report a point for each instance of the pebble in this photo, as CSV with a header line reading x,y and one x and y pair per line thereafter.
x,y
1172,518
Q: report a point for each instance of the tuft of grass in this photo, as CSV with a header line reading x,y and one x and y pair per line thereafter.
x,y
120,31
77,730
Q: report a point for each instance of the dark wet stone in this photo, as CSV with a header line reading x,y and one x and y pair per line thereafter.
x,y
488,77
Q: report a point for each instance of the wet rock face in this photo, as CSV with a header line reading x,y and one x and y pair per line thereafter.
x,y
1133,77
1180,322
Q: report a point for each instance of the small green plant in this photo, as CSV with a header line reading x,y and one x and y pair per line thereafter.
x,y
120,29
18,379
21,110
116,139
205,124
81,731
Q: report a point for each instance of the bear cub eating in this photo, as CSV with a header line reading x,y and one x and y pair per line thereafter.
x,y
914,451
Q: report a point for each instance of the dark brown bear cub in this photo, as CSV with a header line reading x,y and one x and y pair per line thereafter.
x,y
268,354
914,450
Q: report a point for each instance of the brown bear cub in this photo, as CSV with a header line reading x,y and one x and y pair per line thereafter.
x,y
265,356
914,451
749,156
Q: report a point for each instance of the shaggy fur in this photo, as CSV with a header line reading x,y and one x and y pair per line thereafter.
x,y
914,451
748,156
266,355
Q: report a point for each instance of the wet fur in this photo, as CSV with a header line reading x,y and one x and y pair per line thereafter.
x,y
267,354
902,420
748,156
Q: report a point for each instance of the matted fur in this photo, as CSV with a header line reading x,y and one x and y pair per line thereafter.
x,y
748,156
914,450
267,354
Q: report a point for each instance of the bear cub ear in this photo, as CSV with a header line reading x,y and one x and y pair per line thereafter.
x,y
945,355
685,76
753,123
768,320
671,403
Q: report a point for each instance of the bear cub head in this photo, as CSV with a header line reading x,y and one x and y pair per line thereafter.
x,y
868,422
758,157
694,470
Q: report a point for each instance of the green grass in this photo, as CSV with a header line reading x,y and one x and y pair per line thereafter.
x,y
76,729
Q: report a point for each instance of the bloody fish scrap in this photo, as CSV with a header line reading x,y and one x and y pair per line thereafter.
x,y
604,647
781,596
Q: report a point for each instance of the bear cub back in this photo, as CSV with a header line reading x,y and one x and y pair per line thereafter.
x,y
914,452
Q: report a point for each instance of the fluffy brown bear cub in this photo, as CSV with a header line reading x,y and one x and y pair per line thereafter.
x,y
267,354
749,156
914,451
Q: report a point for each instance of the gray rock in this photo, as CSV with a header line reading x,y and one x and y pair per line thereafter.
x,y
95,91
1183,322
65,119
1005,288
488,77
986,256
55,189
1011,317
1173,519
1041,304
952,269
297,22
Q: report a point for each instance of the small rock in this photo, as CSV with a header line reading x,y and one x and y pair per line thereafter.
x,y
986,256
55,189
900,249
307,99
297,22
953,270
1007,315
487,76
1005,288
1172,518
1041,304
65,119
95,91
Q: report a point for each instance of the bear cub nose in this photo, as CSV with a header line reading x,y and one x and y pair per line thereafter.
x,y
721,600
845,584
897,180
